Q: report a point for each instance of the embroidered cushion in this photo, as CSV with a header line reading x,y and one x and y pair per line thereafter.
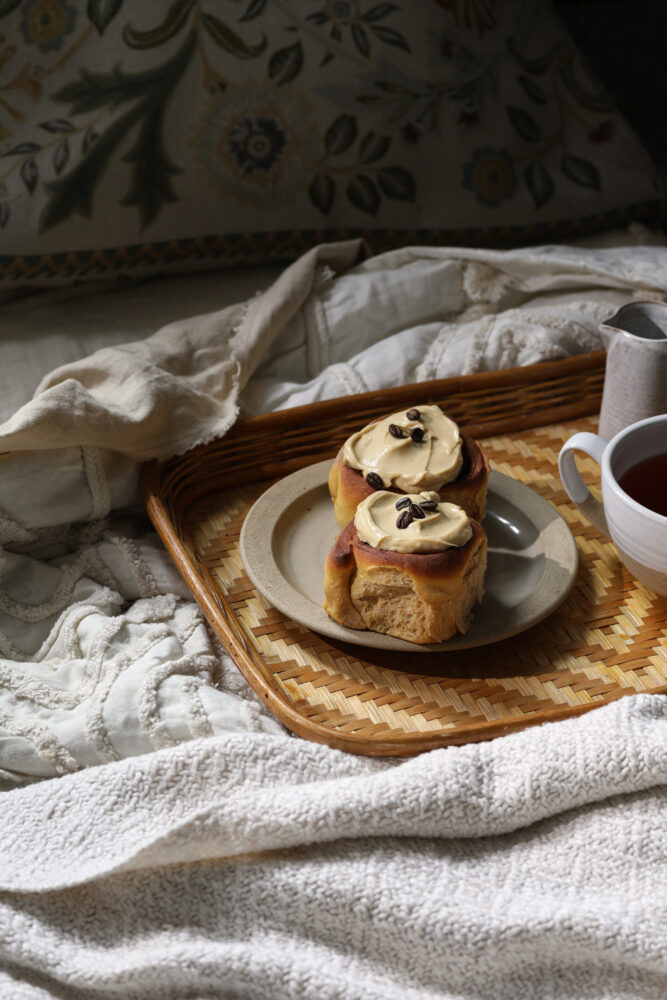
x,y
139,137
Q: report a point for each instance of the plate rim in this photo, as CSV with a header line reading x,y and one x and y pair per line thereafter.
x,y
269,508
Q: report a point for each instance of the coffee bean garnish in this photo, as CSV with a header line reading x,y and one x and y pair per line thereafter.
x,y
429,504
396,431
413,414
403,502
375,481
417,434
404,519
416,511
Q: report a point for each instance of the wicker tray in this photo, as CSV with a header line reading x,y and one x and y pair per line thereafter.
x,y
608,638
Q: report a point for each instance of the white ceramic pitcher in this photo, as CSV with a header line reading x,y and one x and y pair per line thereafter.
x,y
635,381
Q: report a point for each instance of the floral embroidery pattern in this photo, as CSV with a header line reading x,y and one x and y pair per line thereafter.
x,y
437,114
490,175
254,143
342,15
46,23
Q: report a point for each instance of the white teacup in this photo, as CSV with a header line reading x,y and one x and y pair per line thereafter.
x,y
639,534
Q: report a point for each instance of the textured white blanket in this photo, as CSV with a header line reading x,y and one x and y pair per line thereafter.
x,y
268,868
250,863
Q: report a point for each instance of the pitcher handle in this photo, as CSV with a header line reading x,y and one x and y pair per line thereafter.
x,y
574,485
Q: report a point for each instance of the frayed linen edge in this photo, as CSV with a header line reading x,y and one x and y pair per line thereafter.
x,y
180,446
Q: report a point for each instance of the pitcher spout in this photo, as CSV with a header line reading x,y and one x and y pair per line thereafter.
x,y
635,381
608,332
644,320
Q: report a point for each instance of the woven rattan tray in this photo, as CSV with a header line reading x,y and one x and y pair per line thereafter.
x,y
607,639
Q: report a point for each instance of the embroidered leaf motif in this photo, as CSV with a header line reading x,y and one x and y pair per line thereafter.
x,y
254,10
30,174
397,183
540,64
74,192
229,40
363,194
360,39
286,64
322,191
23,147
150,184
390,37
524,123
580,172
61,156
394,88
102,12
89,137
176,17
533,89
340,135
7,6
378,12
373,147
57,125
96,90
93,91
539,182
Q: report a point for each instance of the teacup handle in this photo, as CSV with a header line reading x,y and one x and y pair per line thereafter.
x,y
574,485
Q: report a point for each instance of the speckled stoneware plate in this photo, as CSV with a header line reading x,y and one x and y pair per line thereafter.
x,y
531,566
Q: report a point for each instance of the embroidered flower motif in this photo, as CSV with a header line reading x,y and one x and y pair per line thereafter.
x,y
257,143
490,175
45,23
341,11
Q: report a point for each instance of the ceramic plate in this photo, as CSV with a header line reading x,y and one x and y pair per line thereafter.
x,y
531,565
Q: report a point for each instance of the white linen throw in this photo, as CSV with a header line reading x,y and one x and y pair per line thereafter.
x,y
249,866
213,855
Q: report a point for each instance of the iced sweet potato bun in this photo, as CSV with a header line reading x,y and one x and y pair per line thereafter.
x,y
408,451
409,566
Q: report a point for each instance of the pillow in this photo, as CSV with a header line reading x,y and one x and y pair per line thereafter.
x,y
139,137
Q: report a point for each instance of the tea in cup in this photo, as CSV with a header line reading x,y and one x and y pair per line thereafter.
x,y
633,513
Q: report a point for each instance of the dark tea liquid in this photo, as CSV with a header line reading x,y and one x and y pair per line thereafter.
x,y
646,482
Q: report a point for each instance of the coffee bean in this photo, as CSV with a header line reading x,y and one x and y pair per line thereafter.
x,y
375,481
396,431
403,502
416,511
413,414
417,434
428,504
404,519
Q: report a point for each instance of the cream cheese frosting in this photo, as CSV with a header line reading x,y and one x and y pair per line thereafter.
x,y
387,522
412,450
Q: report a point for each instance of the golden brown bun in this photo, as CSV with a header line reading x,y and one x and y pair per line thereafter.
x,y
416,596
348,487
